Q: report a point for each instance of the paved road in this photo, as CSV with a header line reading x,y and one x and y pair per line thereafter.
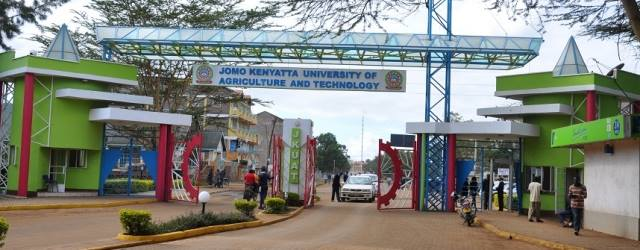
x,y
332,225
85,228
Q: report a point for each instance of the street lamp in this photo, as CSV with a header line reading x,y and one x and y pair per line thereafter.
x,y
203,198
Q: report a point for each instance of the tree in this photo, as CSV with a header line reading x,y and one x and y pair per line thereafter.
x,y
604,19
14,14
168,82
328,152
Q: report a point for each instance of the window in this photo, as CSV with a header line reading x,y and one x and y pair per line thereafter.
x,y
68,158
77,158
12,155
546,174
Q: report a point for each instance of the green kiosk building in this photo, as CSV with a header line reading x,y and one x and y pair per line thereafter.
x,y
568,95
53,140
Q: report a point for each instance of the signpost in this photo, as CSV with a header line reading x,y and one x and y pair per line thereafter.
x,y
300,78
612,128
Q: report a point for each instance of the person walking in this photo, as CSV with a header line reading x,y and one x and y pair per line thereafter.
x,y
486,184
534,199
500,189
473,189
345,177
335,187
577,194
250,184
465,188
263,178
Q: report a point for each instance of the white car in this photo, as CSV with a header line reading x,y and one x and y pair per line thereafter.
x,y
358,188
374,181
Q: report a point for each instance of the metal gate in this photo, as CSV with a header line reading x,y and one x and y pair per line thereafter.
x,y
396,176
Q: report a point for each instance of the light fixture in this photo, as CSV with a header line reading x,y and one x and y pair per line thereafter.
x,y
203,197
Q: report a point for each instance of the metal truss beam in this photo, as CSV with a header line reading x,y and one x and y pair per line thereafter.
x,y
388,49
437,108
6,155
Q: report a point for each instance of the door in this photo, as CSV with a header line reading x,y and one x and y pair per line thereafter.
x,y
57,170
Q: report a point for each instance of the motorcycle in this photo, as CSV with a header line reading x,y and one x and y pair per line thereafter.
x,y
466,208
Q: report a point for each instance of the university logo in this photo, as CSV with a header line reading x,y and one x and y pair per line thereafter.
x,y
393,80
616,127
204,73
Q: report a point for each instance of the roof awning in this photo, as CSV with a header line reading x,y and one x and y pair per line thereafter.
x,y
519,111
123,116
103,96
476,130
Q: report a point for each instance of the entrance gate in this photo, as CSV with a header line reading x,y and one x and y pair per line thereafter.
x,y
397,170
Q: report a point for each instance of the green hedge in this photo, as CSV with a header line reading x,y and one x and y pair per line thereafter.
x,y
245,207
119,186
138,222
4,228
197,220
293,200
275,206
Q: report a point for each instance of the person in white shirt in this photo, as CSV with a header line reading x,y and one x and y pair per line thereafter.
x,y
534,197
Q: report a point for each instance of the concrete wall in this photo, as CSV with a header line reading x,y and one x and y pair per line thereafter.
x,y
613,184
264,128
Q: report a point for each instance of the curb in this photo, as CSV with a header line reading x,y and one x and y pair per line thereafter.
x,y
77,205
528,239
173,236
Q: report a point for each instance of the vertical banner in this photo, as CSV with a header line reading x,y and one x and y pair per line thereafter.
x,y
294,156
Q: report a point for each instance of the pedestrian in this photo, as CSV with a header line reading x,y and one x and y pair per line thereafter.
x,y
345,177
473,189
263,178
566,215
250,183
210,177
534,199
500,191
465,188
335,187
577,194
486,184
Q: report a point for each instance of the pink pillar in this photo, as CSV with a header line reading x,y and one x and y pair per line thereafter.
x,y
591,105
163,144
451,170
25,146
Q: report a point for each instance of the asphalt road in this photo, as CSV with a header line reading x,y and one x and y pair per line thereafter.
x,y
333,225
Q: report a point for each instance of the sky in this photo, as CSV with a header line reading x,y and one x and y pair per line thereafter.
x,y
342,112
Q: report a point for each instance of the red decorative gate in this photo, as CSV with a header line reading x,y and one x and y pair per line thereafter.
x,y
276,156
397,171
187,162
310,174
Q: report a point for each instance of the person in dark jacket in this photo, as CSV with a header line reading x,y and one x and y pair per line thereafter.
x,y
345,177
263,178
500,191
473,189
465,188
335,187
486,184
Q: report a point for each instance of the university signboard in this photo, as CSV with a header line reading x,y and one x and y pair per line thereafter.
x,y
300,78
294,158
611,128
